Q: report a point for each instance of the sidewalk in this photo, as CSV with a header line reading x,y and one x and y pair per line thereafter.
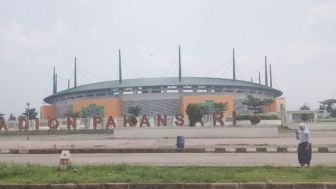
x,y
99,143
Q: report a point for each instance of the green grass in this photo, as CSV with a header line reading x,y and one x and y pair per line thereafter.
x,y
14,173
285,129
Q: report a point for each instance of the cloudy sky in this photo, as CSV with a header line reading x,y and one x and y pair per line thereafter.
x,y
297,36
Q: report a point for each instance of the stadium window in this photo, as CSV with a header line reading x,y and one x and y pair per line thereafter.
x,y
128,92
187,90
172,91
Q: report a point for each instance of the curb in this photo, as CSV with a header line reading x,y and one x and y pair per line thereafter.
x,y
175,186
165,150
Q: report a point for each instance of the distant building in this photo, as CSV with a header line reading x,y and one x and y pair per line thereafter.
x,y
295,116
169,96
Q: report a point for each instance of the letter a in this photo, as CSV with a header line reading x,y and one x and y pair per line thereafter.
x,y
110,121
144,120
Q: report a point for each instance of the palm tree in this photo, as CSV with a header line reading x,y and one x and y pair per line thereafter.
x,y
256,105
134,110
11,117
329,106
31,112
304,107
72,114
221,107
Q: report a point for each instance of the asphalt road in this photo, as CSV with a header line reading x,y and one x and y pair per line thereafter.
x,y
319,138
175,159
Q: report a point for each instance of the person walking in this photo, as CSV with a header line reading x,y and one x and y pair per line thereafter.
x,y
304,148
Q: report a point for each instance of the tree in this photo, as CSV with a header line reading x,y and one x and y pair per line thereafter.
x,y
209,107
32,113
333,113
304,107
329,106
221,107
11,117
194,112
256,105
72,114
134,110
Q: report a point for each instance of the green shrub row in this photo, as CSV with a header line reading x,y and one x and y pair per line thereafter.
x,y
262,117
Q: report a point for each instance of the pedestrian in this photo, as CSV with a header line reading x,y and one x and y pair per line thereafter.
x,y
304,148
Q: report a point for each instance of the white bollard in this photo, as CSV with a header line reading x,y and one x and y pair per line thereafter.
x,y
65,160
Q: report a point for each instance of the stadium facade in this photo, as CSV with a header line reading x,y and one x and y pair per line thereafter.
x,y
164,96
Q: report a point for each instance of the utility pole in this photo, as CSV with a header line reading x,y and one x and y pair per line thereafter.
x,y
120,76
266,76
234,65
180,66
28,125
75,75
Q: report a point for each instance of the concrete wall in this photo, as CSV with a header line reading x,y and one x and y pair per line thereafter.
x,y
202,132
315,126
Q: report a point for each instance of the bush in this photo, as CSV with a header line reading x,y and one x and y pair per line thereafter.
x,y
269,117
262,117
243,117
255,120
133,121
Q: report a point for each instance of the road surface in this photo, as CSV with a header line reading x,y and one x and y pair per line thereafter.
x,y
175,159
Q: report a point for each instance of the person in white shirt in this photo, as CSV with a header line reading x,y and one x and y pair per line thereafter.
x,y
304,148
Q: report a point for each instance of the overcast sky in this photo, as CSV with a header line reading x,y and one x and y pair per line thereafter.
x,y
297,36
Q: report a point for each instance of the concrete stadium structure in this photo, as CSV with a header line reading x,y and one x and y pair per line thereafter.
x,y
168,96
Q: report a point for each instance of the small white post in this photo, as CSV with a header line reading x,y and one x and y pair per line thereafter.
x,y
65,160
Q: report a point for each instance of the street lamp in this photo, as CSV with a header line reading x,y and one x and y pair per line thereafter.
x,y
282,107
28,125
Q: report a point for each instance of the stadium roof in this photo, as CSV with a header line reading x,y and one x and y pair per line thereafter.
x,y
166,81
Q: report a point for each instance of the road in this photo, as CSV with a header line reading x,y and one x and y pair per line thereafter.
x,y
107,141
175,159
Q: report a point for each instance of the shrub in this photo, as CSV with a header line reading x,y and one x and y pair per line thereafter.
x,y
255,120
269,117
243,117
262,117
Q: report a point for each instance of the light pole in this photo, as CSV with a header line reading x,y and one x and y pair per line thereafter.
x,y
281,114
28,125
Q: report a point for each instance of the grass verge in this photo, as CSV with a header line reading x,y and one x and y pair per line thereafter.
x,y
285,129
14,173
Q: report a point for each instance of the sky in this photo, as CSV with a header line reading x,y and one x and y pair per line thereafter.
x,y
297,36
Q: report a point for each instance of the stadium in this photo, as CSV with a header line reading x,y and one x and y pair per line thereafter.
x,y
165,96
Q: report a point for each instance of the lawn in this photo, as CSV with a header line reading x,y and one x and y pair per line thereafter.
x,y
14,173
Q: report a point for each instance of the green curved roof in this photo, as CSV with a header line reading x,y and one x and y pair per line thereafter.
x,y
166,81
